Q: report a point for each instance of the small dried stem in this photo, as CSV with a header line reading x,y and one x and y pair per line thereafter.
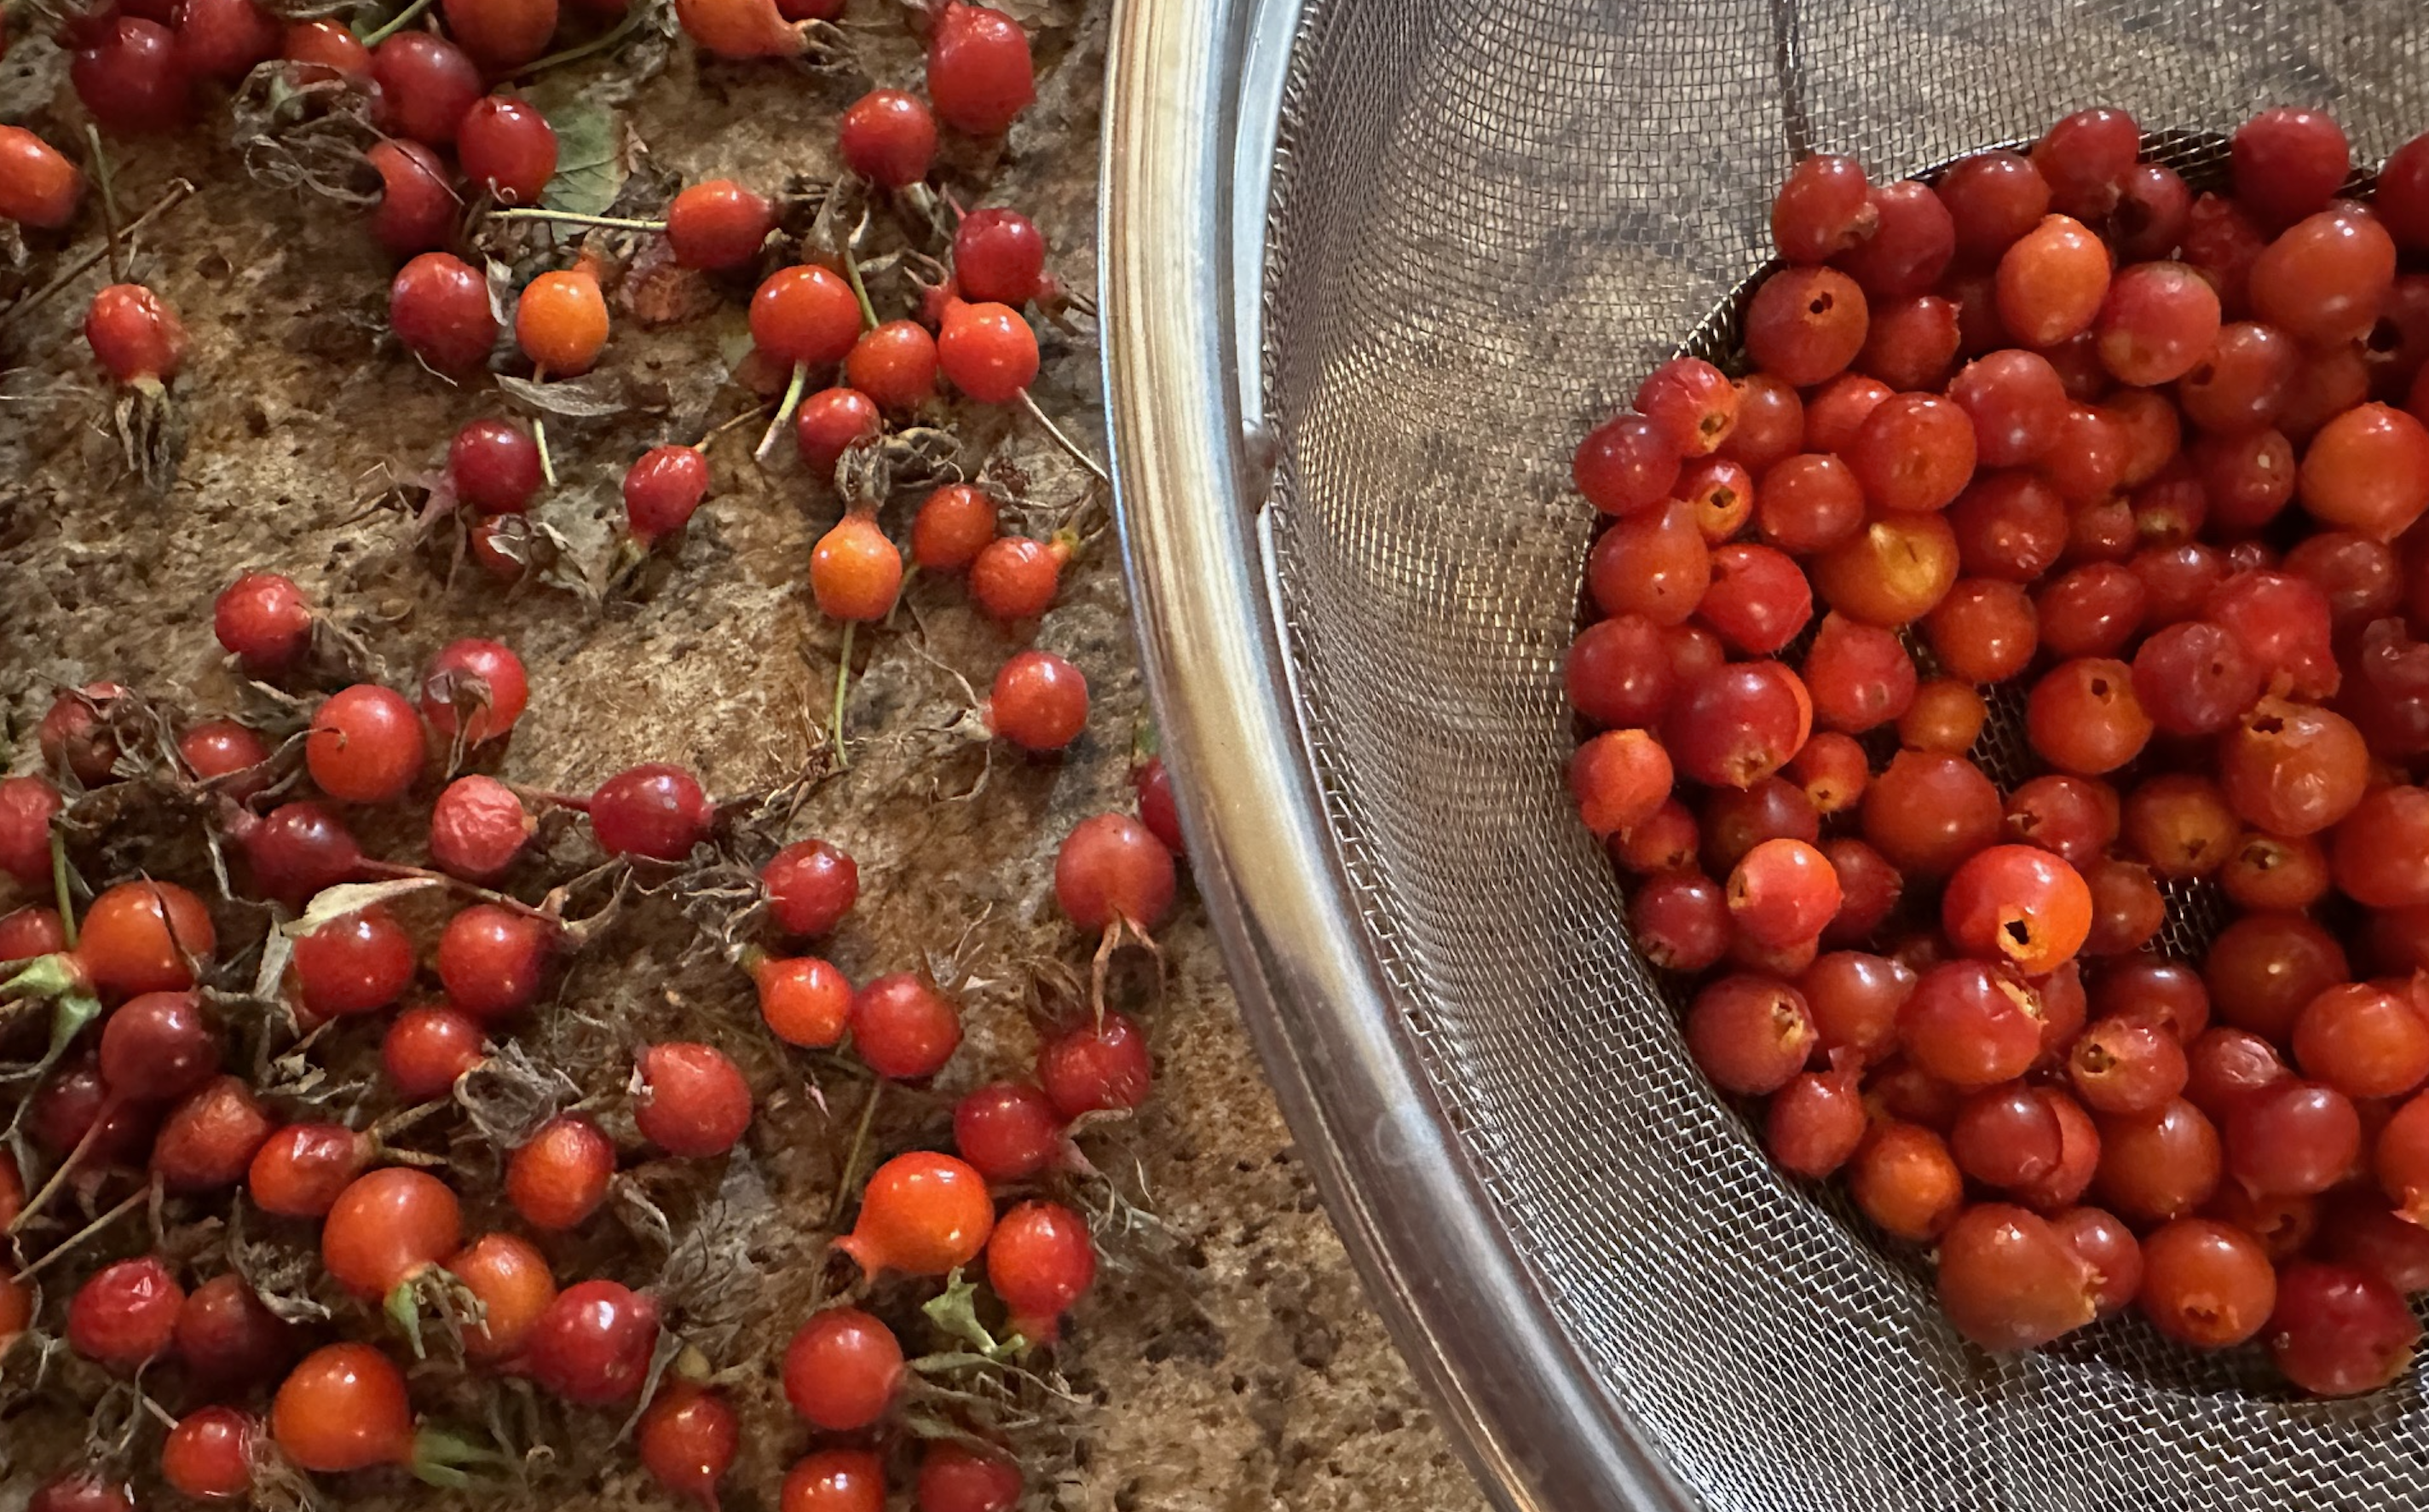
x,y
396,24
133,1201
83,263
58,1178
101,177
612,222
1070,447
851,271
59,888
852,1153
843,680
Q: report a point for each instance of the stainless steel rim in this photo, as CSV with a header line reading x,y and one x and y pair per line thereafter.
x,y
1194,92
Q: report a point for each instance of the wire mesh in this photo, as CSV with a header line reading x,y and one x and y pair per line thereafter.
x,y
1489,218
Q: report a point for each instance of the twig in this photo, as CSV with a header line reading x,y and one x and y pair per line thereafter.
x,y
1069,445
613,222
851,271
59,887
58,1178
852,1153
108,205
843,678
87,1231
631,24
395,23
743,419
83,264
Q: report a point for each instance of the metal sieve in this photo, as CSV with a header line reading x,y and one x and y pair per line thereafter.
x,y
1370,267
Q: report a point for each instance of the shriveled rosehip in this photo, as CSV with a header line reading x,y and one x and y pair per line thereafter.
x,y
2293,768
477,828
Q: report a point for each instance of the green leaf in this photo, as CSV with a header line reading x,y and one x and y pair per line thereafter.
x,y
586,172
69,1017
955,1311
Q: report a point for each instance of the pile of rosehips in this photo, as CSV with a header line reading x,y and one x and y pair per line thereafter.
x,y
2143,467
144,1095
186,1074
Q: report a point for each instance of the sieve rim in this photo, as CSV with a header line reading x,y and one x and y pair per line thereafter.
x,y
1192,104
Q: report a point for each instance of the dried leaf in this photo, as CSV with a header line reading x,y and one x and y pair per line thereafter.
x,y
331,903
509,1095
150,433
593,396
297,131
501,283
658,291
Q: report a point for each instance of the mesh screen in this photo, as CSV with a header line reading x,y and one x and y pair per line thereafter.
x,y
1490,217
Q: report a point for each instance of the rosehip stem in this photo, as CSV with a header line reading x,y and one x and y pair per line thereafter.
x,y
843,680
395,23
852,1153
59,888
784,411
35,1203
375,867
852,273
631,24
579,803
743,419
133,1201
102,180
1070,447
83,263
612,222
